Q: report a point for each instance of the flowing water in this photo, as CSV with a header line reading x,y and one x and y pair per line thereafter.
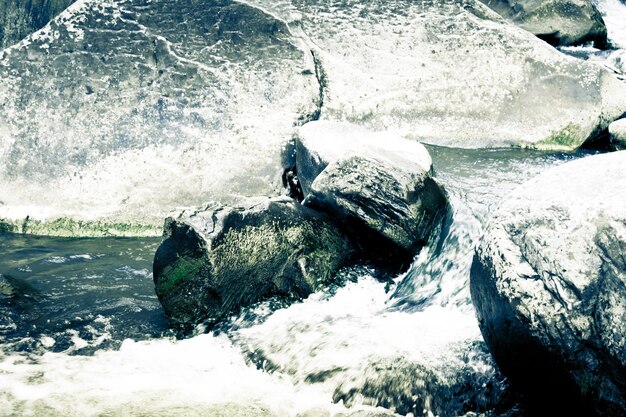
x,y
85,335
82,333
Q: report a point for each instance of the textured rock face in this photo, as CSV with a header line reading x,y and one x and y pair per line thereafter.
x,y
559,22
549,285
320,143
220,258
452,73
376,185
391,210
6,289
19,19
117,112
617,134
114,99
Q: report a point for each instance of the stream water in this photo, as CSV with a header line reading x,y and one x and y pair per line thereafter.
x,y
85,335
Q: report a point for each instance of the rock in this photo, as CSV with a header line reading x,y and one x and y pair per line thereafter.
x,y
220,258
376,185
558,22
452,73
6,289
19,19
389,207
617,134
549,286
201,97
321,142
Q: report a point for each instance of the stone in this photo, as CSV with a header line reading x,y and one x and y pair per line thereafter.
x,y
19,19
215,260
451,73
116,113
617,134
319,143
390,208
7,290
558,22
549,285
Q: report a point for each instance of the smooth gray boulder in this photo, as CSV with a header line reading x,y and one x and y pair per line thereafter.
x,y
319,143
549,286
219,258
19,18
118,112
451,73
617,134
558,22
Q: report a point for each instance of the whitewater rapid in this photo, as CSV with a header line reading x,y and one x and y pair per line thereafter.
x,y
411,344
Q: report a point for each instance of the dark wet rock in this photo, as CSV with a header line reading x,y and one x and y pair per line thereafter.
x,y
376,186
549,285
214,260
390,211
19,19
558,22
406,387
112,100
617,134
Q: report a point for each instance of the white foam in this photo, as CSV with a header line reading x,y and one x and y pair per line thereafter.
x,y
151,378
614,15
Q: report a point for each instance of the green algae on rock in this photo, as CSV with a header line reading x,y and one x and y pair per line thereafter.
x,y
214,260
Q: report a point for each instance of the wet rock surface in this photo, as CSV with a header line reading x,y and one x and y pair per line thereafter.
x,y
222,84
452,73
558,22
617,134
377,186
390,211
549,286
214,260
320,143
115,99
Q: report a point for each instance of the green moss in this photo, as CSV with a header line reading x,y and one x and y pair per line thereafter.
x,y
566,139
68,227
176,273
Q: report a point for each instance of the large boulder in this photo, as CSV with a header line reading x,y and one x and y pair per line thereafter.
x,y
559,22
19,19
617,134
377,186
549,286
217,259
451,73
118,112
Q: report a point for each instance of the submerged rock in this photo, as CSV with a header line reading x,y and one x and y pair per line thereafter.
x,y
215,260
617,134
19,19
452,73
118,112
549,285
558,22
